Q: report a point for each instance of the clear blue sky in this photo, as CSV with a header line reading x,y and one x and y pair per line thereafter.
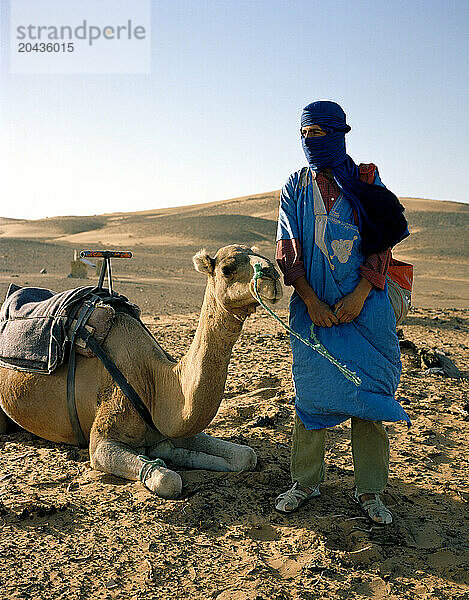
x,y
218,116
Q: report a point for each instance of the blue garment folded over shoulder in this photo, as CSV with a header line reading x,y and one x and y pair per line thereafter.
x,y
34,324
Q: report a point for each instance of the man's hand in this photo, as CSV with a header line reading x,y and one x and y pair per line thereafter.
x,y
350,306
321,313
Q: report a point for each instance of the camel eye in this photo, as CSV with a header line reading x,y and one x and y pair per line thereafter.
x,y
228,270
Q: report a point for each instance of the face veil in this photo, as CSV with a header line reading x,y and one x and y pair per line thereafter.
x,y
328,150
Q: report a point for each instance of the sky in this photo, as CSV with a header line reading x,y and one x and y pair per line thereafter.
x,y
218,115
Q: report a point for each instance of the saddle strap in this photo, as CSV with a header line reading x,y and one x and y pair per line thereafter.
x,y
82,317
118,377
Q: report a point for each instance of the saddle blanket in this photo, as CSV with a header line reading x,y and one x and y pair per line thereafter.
x,y
34,324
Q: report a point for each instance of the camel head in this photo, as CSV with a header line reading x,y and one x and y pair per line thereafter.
x,y
230,273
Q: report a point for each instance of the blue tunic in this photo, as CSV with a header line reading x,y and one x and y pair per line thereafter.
x,y
368,345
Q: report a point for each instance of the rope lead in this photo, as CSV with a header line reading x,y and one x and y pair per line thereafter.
x,y
317,346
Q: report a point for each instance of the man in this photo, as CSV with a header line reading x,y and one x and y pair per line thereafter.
x,y
336,225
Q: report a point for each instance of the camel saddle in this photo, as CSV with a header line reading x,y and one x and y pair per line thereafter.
x,y
41,329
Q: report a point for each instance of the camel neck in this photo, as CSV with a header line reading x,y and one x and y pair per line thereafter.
x,y
203,370
217,331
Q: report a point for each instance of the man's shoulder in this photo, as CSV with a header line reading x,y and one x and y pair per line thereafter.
x,y
300,178
367,172
295,176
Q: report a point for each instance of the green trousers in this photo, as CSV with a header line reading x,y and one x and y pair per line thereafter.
x,y
370,449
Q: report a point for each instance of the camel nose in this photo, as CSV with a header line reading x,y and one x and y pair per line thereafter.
x,y
268,284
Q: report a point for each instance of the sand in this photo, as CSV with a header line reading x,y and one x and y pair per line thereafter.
x,y
68,532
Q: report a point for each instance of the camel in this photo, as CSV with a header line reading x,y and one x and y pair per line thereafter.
x,y
182,397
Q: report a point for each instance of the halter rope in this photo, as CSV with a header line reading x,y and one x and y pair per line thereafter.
x,y
316,346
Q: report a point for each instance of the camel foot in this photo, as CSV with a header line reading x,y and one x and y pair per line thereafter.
x,y
117,458
164,482
203,451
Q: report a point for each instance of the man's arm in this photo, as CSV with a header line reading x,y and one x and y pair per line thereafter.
x,y
289,259
375,268
321,313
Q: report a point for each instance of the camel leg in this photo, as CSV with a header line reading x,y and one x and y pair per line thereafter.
x,y
121,460
203,451
117,435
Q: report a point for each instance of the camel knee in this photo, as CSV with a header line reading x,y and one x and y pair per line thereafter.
x,y
100,457
115,458
244,459
165,483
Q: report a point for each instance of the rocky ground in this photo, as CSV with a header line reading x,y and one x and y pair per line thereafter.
x,y
68,532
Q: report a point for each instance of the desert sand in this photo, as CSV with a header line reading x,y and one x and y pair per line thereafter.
x,y
68,532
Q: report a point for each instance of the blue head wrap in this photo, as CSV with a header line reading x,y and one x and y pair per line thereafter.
x,y
380,214
329,150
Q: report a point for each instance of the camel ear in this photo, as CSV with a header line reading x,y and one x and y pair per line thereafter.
x,y
203,262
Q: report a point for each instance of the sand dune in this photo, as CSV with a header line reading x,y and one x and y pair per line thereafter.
x,y
164,239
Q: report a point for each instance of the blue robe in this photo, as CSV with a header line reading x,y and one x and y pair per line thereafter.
x,y
368,345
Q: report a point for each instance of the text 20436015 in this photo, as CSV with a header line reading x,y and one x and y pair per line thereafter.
x,y
43,47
